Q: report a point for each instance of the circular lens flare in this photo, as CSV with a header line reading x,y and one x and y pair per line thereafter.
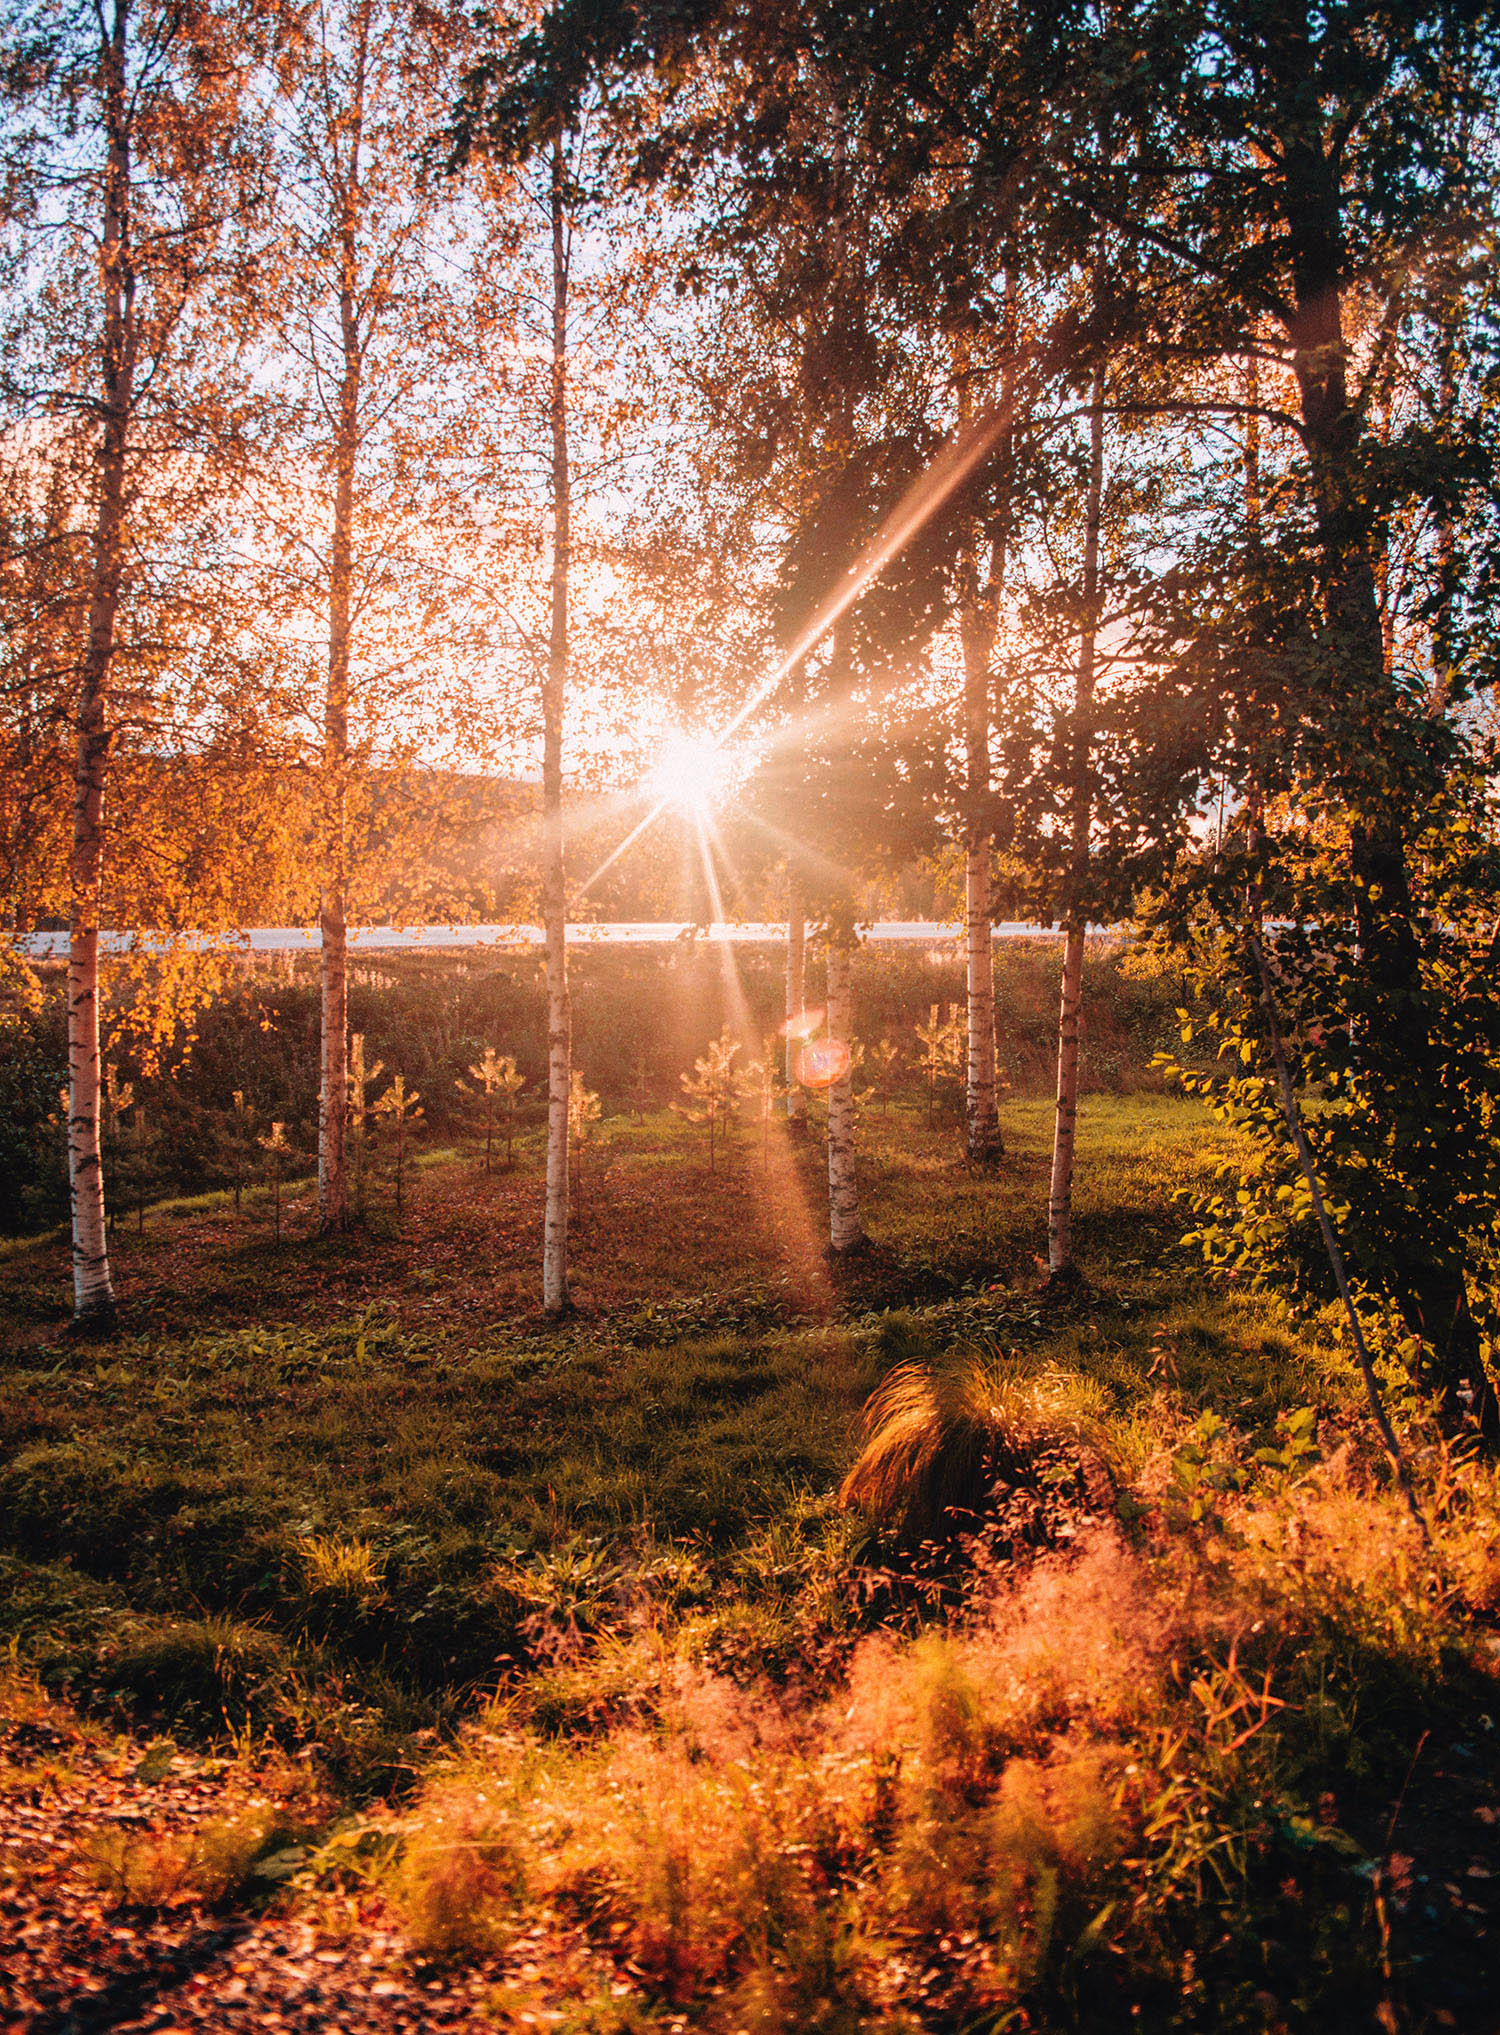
x,y
822,1062
691,773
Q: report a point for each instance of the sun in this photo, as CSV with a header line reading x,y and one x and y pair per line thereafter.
x,y
691,773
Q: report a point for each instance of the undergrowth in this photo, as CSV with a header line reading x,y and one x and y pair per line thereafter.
x,y
593,1678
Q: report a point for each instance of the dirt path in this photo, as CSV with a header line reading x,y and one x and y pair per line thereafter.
x,y
84,1824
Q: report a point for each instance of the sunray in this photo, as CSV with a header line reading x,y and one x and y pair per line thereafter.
x,y
926,495
784,1204
808,856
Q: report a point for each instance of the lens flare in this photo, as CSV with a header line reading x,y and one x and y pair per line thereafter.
x,y
822,1062
803,1025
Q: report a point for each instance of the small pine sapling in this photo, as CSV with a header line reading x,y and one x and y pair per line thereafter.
x,y
584,1111
138,1145
499,1085
512,1081
859,1098
759,1088
117,1099
361,1078
884,1063
404,1108
942,1051
710,1089
277,1152
239,1143
640,1087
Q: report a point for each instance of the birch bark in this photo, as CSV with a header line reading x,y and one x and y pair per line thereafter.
x,y
845,1232
796,997
1060,1260
93,1290
333,1093
554,692
981,1114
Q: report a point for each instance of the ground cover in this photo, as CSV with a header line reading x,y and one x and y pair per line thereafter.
x,y
539,1665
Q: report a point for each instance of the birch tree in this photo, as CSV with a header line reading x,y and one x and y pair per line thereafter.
x,y
554,698
133,175
1079,818
982,559
365,319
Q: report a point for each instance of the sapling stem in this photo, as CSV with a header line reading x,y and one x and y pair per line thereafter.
x,y
1299,1139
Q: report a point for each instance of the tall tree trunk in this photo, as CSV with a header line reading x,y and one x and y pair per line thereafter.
x,y
796,998
1380,798
333,1093
1060,1261
554,873
333,1089
1445,547
977,637
93,1292
845,1232
978,625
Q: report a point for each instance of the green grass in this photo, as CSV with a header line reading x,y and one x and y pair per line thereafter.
x,y
361,1498
177,1477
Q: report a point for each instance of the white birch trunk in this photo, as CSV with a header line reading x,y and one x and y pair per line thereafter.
x,y
796,997
1065,1131
979,616
1060,1259
93,1291
554,874
845,1232
333,967
981,1102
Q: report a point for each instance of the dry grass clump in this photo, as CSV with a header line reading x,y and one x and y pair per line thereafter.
x,y
948,1441
782,1865
250,1850
459,1878
341,1568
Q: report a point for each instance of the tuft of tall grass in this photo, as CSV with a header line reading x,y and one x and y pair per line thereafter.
x,y
945,1437
778,1862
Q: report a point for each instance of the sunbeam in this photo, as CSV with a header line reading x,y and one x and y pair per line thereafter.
x,y
926,495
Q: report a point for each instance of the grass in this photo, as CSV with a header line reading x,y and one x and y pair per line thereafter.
x,y
574,1608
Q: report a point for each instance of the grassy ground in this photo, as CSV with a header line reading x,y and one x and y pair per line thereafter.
x,y
627,1711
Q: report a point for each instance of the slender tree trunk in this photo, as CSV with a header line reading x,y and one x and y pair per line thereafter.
x,y
981,1114
845,1232
1060,1265
1060,1261
93,1292
986,1147
333,1092
554,875
796,996
1446,553
977,628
